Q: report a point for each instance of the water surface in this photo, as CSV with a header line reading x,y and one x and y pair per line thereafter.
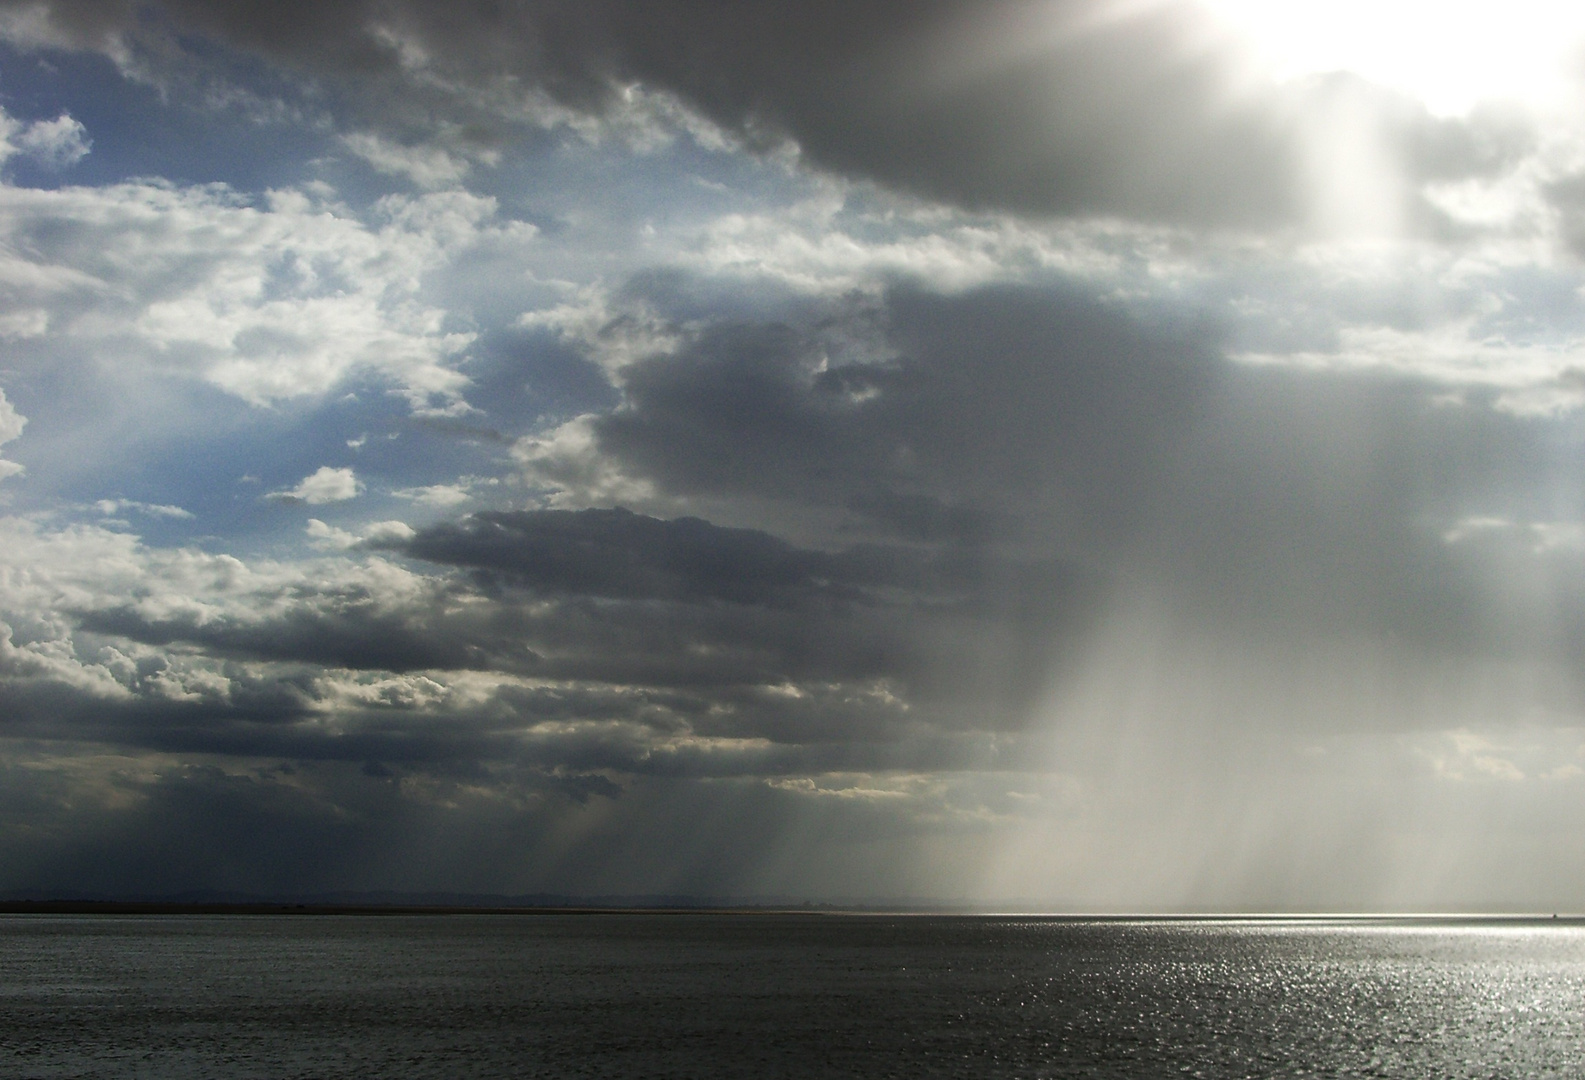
x,y
773,995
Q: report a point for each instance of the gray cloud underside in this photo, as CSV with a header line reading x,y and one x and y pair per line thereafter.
x,y
609,596
565,730
1045,108
664,629
316,828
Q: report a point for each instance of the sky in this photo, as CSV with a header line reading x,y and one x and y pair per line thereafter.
x,y
1076,455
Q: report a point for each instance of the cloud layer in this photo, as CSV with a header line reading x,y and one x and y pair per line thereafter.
x,y
1070,107
1011,450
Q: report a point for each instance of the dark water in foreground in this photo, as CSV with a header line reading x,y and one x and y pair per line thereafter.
x,y
707,995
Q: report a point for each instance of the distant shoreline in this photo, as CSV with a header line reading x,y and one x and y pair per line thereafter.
x,y
139,907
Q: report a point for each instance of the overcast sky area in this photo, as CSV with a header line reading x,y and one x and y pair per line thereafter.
x,y
1094,455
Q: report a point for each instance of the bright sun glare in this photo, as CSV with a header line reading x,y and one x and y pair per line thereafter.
x,y
1450,54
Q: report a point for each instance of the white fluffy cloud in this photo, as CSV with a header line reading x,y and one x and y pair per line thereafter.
x,y
49,578
53,143
11,425
326,485
329,538
285,297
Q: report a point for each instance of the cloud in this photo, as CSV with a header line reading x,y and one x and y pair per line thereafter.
x,y
591,641
1031,419
905,427
11,421
113,507
964,526
902,433
381,533
435,494
619,554
11,425
1089,108
546,655
428,167
448,495
53,144
326,485
269,302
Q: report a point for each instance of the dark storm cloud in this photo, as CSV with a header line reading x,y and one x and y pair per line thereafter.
x,y
1306,503
198,826
621,555
457,429
326,628
1065,107
615,553
331,829
998,403
672,626
258,716
566,731
674,643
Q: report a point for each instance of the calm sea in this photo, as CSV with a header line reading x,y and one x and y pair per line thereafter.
x,y
705,995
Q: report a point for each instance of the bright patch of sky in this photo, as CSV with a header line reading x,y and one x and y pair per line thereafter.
x,y
1450,55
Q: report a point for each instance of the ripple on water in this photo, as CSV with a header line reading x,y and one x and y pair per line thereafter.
x,y
785,995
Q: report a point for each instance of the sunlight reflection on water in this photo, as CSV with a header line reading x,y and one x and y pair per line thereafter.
x,y
786,995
